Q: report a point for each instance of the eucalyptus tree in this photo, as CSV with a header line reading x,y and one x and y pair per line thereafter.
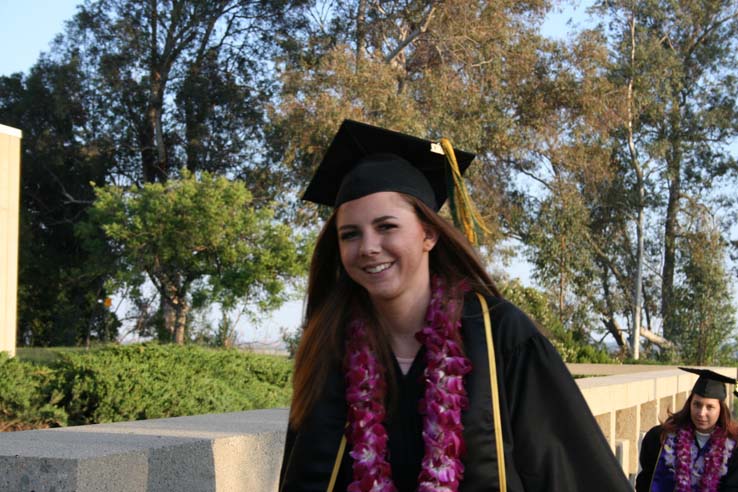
x,y
641,143
479,73
703,304
676,61
179,83
428,68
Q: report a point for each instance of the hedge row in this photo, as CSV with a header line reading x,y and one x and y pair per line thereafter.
x,y
27,400
120,383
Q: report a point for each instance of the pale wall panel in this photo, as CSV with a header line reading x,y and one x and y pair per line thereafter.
x,y
9,209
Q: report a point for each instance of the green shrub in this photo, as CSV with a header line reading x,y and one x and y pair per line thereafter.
x,y
119,383
536,305
26,399
45,356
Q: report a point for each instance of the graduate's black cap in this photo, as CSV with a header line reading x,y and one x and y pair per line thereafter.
x,y
710,384
364,159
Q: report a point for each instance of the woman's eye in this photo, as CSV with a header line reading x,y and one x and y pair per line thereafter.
x,y
386,227
344,236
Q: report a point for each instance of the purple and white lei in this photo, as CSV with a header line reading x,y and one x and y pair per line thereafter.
x,y
441,407
693,471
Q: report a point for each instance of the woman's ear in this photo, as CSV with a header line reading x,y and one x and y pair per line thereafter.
x,y
430,239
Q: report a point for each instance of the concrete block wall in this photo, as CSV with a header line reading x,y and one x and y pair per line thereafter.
x,y
9,206
230,452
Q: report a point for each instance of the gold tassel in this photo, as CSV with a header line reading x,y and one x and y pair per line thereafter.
x,y
463,211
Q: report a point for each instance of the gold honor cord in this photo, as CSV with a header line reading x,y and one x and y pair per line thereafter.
x,y
495,393
464,213
337,464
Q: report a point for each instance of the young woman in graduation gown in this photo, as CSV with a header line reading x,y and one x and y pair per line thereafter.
x,y
694,450
486,403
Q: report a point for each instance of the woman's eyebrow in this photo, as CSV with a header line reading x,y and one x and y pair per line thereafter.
x,y
383,218
375,221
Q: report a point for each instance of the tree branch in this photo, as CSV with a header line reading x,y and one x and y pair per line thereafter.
x,y
656,339
412,36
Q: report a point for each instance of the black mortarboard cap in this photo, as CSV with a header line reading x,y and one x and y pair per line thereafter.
x,y
710,384
364,159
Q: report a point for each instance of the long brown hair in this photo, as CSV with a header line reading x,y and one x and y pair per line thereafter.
x,y
683,418
332,297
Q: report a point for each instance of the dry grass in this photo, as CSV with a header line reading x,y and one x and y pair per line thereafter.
x,y
16,425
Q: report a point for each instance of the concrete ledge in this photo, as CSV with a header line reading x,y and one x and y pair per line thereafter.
x,y
225,452
624,390
592,370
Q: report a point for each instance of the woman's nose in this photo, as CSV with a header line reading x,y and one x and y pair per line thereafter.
x,y
369,244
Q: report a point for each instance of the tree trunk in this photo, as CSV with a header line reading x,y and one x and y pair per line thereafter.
x,y
614,329
638,280
169,315
562,280
670,235
636,302
153,149
181,321
153,153
655,339
360,33
609,319
193,117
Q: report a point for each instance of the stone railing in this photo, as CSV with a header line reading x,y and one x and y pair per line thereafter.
x,y
206,453
242,451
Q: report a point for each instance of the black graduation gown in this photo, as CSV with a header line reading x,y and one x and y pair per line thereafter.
x,y
551,440
648,458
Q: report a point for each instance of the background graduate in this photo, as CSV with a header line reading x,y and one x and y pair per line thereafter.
x,y
694,450
413,373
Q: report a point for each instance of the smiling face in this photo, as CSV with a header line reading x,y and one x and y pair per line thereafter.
x,y
384,246
704,412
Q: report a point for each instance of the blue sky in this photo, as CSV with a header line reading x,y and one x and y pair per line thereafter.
x,y
28,28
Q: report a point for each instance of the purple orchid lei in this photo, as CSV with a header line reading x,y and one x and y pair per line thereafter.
x,y
444,399
682,456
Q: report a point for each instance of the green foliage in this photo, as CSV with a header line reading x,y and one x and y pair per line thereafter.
x,y
292,340
44,356
551,122
198,237
534,303
198,102
120,383
59,286
704,311
570,343
675,62
359,62
26,399
130,93
557,253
